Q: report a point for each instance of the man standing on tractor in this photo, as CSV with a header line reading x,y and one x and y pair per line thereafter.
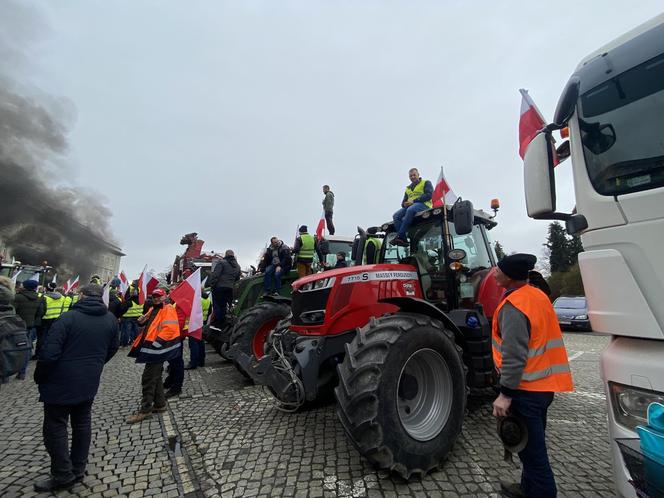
x,y
529,353
304,248
372,247
222,279
416,198
276,262
328,208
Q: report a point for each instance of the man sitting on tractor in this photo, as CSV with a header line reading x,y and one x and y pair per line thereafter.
x,y
416,198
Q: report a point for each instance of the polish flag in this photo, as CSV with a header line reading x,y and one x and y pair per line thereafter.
x,y
187,297
106,295
442,193
531,122
66,285
320,229
147,282
124,282
74,285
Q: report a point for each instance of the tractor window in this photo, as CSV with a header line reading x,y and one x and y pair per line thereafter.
x,y
477,253
425,245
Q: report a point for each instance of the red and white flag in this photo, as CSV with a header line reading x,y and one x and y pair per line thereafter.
x,y
442,193
124,282
147,282
74,285
187,297
531,122
66,285
106,295
320,229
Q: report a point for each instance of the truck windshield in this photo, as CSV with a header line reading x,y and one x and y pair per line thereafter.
x,y
621,123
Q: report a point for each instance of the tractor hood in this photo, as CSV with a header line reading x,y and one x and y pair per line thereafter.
x,y
364,273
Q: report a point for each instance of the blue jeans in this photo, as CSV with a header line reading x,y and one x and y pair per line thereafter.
x,y
32,335
272,276
404,217
197,352
536,477
128,331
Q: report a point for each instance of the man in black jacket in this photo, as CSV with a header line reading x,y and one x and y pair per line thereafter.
x,y
69,365
31,307
223,278
277,262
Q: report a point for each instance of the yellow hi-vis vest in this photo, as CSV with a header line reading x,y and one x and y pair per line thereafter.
x,y
206,302
306,252
54,307
416,192
134,311
377,243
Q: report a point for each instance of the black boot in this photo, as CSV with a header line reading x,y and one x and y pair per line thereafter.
x,y
51,484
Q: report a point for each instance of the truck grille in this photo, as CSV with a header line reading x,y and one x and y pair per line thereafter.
x,y
309,307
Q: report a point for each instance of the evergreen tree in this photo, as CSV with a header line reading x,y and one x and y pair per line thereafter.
x,y
500,252
559,247
575,247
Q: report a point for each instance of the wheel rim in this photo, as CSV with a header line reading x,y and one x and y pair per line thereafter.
x,y
424,400
260,337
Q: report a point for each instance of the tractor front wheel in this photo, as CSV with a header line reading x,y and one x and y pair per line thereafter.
x,y
402,393
253,327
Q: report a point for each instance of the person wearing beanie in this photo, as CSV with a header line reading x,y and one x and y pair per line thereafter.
x,y
31,307
530,355
68,371
303,251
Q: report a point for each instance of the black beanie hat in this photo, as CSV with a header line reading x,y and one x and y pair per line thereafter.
x,y
517,266
303,229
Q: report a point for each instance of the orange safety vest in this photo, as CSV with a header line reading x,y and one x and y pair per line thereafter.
x,y
547,368
161,341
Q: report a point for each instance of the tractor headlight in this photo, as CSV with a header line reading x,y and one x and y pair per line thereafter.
x,y
581,317
313,317
323,283
630,404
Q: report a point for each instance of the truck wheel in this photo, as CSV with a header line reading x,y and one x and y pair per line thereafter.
x,y
253,327
402,393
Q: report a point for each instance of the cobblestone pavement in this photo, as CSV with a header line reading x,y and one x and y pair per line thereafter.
x,y
223,437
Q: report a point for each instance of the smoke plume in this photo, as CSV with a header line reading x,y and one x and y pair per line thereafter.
x,y
42,217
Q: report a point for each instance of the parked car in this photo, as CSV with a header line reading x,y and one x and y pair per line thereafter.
x,y
572,312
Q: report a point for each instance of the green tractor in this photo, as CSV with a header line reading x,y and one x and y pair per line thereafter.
x,y
253,315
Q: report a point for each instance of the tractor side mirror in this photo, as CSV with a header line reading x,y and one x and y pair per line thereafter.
x,y
463,215
357,252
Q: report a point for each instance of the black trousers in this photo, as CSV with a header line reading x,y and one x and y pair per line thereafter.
x,y
328,222
153,387
66,463
222,297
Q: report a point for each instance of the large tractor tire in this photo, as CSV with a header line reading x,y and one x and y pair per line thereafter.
x,y
253,327
402,393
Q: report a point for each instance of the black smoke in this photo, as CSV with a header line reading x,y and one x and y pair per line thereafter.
x,y
42,216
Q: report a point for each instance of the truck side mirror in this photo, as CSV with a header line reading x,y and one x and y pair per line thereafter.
x,y
463,215
538,177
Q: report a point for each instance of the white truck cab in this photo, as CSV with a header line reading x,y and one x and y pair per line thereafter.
x,y
613,106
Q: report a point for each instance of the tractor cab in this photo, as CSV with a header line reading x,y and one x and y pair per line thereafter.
x,y
454,258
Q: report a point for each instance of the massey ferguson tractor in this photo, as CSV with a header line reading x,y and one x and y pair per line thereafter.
x,y
399,343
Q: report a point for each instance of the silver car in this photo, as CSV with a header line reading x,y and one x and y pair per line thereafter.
x,y
572,312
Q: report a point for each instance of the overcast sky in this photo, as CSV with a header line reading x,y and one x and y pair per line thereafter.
x,y
226,118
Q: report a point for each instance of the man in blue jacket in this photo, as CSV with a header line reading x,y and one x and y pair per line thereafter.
x,y
69,365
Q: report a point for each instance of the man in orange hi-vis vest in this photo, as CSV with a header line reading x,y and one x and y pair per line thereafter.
x,y
158,341
529,353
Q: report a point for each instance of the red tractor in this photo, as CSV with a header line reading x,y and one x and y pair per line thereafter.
x,y
399,343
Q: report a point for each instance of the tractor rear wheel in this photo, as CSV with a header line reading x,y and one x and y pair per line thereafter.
x,y
402,393
253,327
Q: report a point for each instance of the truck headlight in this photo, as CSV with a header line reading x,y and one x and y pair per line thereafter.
x,y
581,317
630,404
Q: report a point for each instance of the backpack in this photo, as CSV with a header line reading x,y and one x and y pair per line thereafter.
x,y
15,346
